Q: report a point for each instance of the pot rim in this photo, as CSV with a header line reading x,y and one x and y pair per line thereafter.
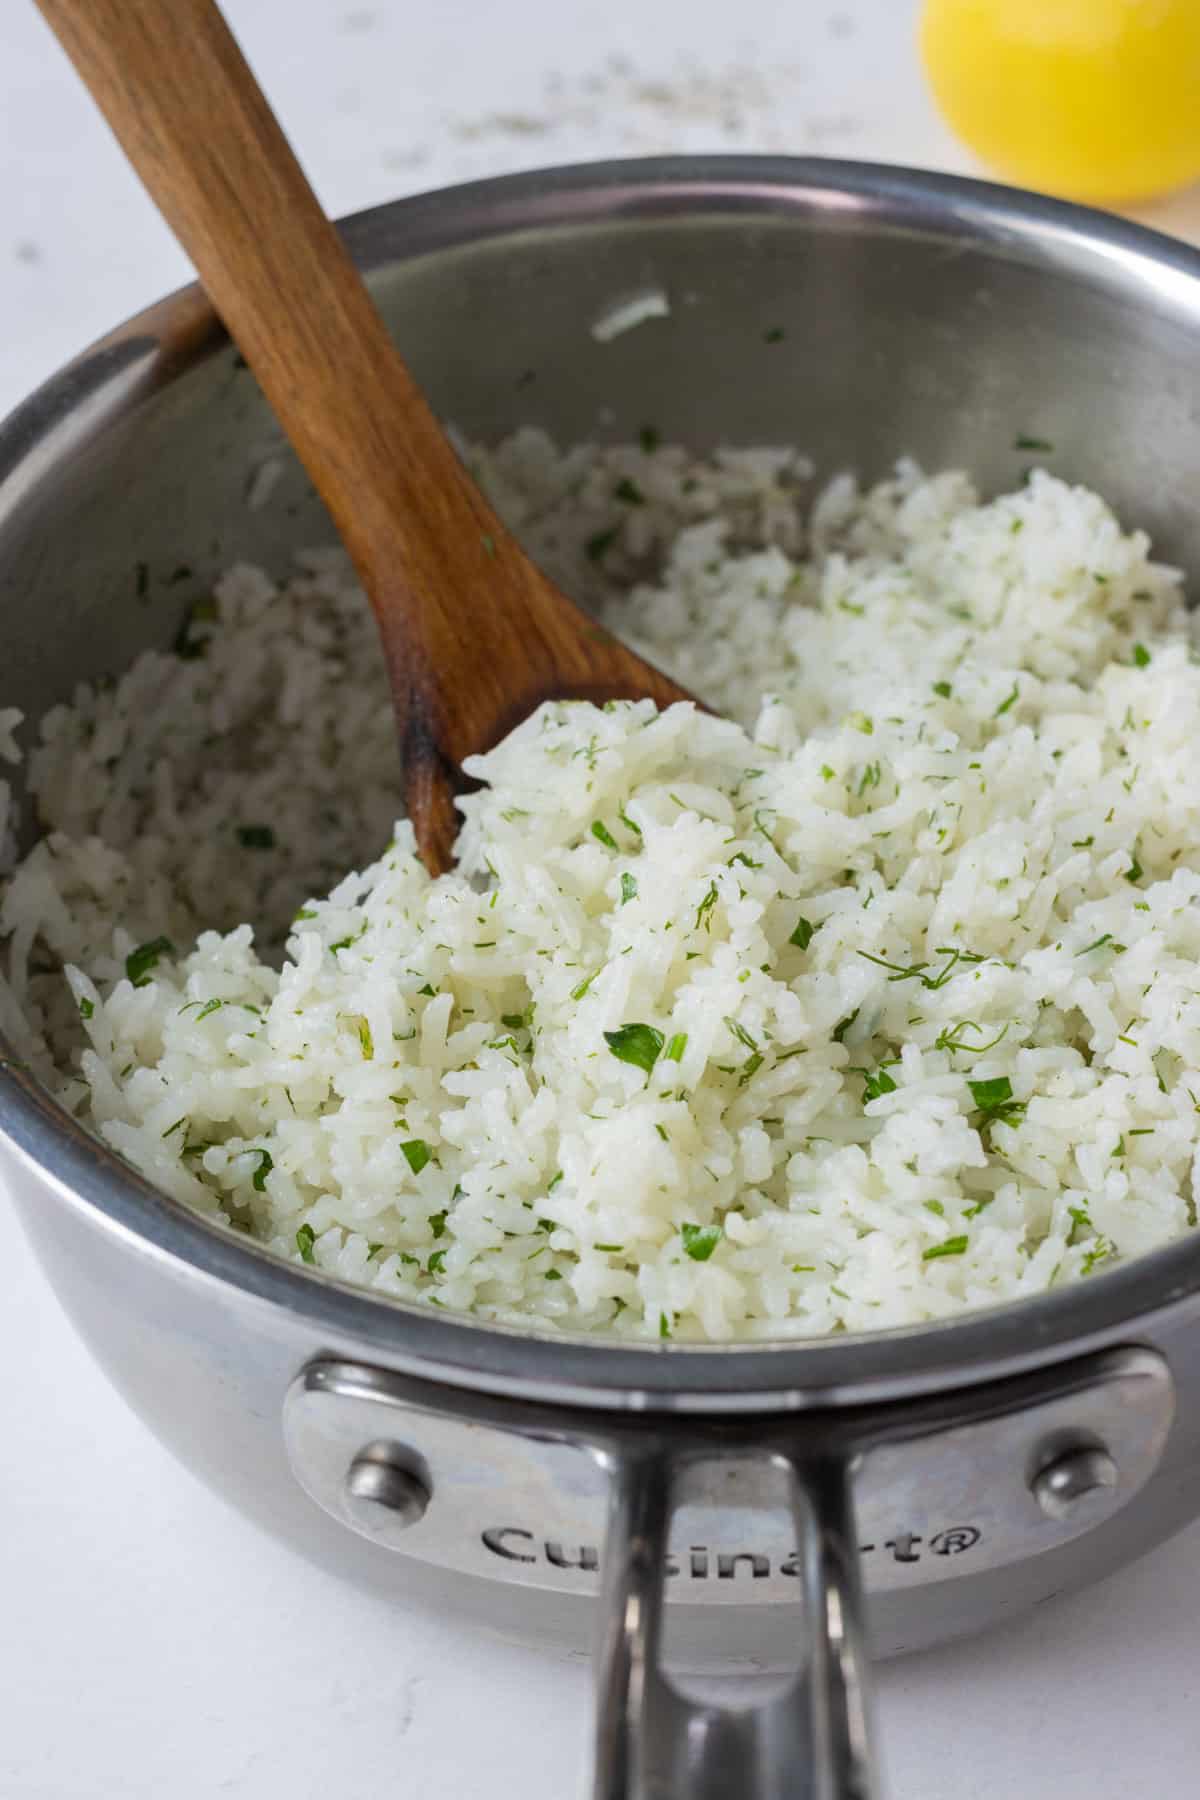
x,y
155,346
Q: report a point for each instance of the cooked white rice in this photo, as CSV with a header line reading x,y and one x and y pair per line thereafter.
x,y
875,999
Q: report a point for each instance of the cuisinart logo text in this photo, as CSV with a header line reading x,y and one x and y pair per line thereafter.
x,y
512,1543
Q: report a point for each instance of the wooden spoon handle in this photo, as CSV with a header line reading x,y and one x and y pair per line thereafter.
x,y
177,92
474,635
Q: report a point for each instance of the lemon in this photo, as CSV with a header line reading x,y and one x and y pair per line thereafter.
x,y
1092,99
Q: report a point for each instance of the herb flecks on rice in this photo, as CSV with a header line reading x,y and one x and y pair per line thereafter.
x,y
874,999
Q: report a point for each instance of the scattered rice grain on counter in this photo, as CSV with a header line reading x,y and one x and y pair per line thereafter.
x,y
875,999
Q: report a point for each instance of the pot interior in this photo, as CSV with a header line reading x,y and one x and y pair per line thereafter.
x,y
860,314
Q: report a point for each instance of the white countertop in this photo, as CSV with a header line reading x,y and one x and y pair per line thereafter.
x,y
151,1642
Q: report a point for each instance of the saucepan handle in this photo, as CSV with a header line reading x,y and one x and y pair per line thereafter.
x,y
810,1742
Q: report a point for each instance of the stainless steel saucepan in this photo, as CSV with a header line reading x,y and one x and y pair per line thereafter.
x,y
788,1502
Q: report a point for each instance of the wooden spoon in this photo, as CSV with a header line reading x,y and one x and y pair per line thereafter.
x,y
474,635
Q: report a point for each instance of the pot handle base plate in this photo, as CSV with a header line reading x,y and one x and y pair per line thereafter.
x,y
518,1490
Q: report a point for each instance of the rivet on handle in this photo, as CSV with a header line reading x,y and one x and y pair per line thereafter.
x,y
385,1492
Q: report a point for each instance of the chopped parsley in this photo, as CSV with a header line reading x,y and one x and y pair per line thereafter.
x,y
305,1239
952,1246
1141,656
1009,700
990,1094
436,1264
1135,870
699,1241
1101,1252
581,988
599,542
346,942
802,935
994,1099
774,335
943,688
842,1027
877,1082
640,1045
266,1162
416,1154
629,492
629,888
1023,441
364,1037
1080,1221
140,962
187,647
601,832
256,837
86,1008
705,907
649,438
207,1010
676,1045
